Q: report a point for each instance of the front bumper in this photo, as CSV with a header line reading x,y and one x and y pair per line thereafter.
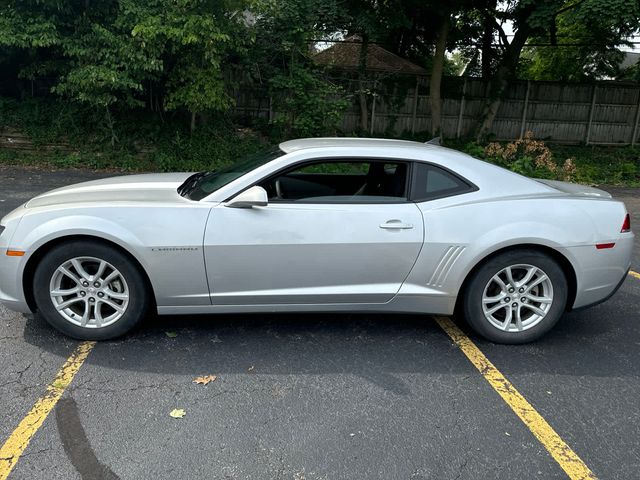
x,y
11,269
11,292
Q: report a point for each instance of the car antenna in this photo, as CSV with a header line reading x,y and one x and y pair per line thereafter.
x,y
434,141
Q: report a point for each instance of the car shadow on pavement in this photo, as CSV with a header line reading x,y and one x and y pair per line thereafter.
x,y
378,347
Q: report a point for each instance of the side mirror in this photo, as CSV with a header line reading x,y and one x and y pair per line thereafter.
x,y
254,197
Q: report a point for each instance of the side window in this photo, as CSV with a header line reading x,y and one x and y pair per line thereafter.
x,y
340,181
431,182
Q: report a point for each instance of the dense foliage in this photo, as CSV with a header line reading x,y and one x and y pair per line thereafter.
x,y
152,82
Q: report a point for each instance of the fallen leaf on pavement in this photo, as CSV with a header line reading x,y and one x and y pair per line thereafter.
x,y
204,380
177,413
250,369
171,334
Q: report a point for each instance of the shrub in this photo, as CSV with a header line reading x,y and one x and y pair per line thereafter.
x,y
530,157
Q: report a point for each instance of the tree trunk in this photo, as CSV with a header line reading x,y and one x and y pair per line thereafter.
x,y
487,41
436,77
505,72
362,74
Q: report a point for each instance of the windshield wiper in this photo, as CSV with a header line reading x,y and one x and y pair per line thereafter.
x,y
190,183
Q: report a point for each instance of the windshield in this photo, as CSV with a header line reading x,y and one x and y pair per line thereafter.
x,y
202,184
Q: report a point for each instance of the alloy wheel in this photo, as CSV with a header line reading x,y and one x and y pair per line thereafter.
x,y
89,292
517,298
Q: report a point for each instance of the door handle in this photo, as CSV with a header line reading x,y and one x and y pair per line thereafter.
x,y
396,225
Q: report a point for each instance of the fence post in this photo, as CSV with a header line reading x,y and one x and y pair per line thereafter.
x,y
591,112
415,106
461,113
634,132
373,107
523,124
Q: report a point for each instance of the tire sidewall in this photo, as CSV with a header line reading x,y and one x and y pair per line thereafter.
x,y
473,296
138,292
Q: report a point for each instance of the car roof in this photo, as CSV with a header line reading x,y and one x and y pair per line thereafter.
x,y
308,143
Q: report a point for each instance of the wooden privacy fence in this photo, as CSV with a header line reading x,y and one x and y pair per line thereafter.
x,y
602,113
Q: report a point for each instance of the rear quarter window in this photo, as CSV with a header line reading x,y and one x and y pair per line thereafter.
x,y
431,182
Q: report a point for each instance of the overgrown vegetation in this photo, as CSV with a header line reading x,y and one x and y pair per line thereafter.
x,y
150,84
589,165
147,146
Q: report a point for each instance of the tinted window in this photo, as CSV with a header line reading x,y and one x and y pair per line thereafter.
x,y
431,182
340,181
209,182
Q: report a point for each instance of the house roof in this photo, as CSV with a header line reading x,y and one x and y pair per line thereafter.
x,y
346,56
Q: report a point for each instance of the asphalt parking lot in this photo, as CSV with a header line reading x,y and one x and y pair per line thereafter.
x,y
320,396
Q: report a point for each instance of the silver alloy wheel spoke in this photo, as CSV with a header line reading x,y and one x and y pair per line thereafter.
x,y
540,279
81,271
518,318
118,296
100,271
68,273
507,320
527,278
537,310
66,303
495,308
539,299
86,314
517,298
509,275
89,292
63,293
495,299
113,305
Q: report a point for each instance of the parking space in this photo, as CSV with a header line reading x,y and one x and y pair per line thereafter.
x,y
320,396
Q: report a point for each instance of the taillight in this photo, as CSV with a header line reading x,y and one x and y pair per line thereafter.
x,y
626,225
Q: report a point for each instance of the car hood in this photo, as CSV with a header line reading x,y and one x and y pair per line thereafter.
x,y
154,187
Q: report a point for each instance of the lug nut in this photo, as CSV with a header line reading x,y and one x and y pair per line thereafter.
x,y
82,294
521,290
96,284
511,290
507,300
523,300
100,294
514,305
91,299
85,284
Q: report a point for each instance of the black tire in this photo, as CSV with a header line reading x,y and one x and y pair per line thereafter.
x,y
139,296
472,296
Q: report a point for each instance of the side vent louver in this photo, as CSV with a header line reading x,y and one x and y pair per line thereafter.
x,y
444,265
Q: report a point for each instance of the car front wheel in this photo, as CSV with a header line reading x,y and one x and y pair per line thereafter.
x,y
516,296
90,291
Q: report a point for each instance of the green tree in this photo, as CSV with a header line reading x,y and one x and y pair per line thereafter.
x,y
104,53
539,18
305,101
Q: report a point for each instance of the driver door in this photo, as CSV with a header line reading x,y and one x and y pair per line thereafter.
x,y
332,232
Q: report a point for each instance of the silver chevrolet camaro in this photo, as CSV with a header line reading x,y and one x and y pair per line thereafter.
x,y
326,224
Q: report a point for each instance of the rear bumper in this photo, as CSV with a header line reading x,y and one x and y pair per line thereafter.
x,y
600,273
613,292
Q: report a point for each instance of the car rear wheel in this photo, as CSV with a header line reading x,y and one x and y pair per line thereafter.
x,y
90,291
516,296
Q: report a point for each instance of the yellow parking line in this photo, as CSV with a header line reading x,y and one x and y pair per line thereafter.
x,y
634,274
573,466
16,443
